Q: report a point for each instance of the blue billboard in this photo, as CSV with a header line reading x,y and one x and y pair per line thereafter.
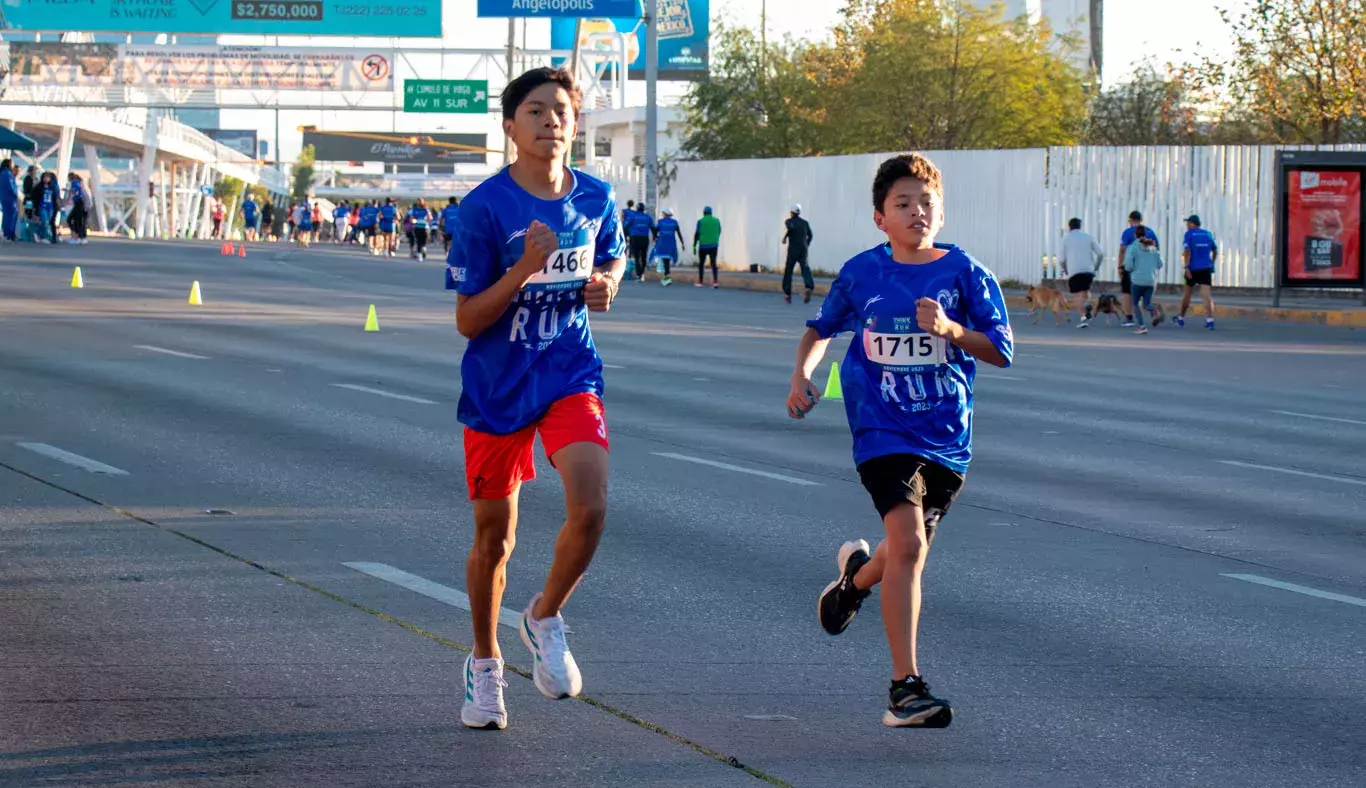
x,y
408,18
684,31
548,9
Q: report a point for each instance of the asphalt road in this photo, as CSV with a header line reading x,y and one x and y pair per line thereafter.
x,y
1155,577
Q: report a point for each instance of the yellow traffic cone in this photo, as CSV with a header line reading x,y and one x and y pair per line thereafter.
x,y
833,389
195,299
76,279
372,320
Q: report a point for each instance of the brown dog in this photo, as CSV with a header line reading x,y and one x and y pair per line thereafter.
x,y
1043,299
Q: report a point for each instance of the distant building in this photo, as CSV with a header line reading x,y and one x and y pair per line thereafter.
x,y
1082,17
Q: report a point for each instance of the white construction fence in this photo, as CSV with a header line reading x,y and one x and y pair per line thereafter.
x,y
1008,208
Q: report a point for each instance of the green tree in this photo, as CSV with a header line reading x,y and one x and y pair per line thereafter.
x,y
1148,108
751,105
899,74
303,173
228,189
922,74
1299,67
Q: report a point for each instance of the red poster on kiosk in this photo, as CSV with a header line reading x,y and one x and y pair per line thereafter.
x,y
1324,225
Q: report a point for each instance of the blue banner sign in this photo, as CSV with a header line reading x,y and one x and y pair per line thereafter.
x,y
407,18
560,8
684,31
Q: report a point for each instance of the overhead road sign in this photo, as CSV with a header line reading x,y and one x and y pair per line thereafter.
x,y
55,64
547,9
461,96
406,18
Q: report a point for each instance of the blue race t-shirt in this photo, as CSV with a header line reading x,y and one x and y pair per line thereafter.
x,y
906,391
639,223
341,212
1201,245
540,350
387,215
420,216
1127,237
368,216
449,216
249,211
666,243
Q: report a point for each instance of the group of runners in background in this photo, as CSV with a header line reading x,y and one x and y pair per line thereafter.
x,y
373,224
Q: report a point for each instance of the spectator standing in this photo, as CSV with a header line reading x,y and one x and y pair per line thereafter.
x,y
798,239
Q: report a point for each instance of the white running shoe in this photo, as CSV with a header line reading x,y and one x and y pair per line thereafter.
x,y
484,696
554,670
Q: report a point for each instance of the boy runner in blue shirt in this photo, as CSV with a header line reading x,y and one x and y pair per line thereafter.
x,y
1198,253
667,235
923,314
449,220
388,227
639,227
369,218
249,218
538,246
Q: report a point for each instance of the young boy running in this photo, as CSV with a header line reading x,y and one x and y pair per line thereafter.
x,y
924,313
537,247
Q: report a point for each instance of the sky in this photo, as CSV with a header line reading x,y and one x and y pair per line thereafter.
x,y
1163,29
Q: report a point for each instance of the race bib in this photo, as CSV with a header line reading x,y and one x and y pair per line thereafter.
x,y
565,266
905,350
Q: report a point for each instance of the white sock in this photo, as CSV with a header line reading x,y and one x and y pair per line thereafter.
x,y
481,665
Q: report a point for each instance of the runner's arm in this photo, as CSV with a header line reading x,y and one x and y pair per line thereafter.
x,y
474,313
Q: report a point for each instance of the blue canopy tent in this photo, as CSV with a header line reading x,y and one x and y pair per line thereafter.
x,y
14,141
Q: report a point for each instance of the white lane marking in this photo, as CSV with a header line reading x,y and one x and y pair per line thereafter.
x,y
613,366
389,394
84,463
427,588
728,467
1319,418
170,352
1306,590
1342,479
990,376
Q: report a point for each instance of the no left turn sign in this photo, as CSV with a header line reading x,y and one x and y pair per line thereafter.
x,y
375,67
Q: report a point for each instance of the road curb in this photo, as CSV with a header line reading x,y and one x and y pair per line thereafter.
x,y
1339,318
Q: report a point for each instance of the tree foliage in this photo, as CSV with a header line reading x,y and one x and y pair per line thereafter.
x,y
1298,67
753,104
303,173
1148,108
898,74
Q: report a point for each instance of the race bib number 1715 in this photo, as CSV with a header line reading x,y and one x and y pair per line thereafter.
x,y
905,350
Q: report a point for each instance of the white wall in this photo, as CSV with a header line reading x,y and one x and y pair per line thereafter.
x,y
1007,208
752,198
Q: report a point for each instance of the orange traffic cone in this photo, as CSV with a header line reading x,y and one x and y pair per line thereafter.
x,y
241,249
226,248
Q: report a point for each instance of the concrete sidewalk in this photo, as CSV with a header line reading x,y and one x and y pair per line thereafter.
x,y
1345,311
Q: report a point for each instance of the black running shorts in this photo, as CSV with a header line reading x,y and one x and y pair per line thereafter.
x,y
894,479
1204,277
1080,283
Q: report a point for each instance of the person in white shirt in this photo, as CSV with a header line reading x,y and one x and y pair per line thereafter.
x,y
1080,257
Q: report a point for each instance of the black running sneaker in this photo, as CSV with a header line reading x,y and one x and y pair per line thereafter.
x,y
912,706
840,600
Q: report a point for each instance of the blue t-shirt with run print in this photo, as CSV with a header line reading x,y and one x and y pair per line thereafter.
x,y
907,391
541,349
